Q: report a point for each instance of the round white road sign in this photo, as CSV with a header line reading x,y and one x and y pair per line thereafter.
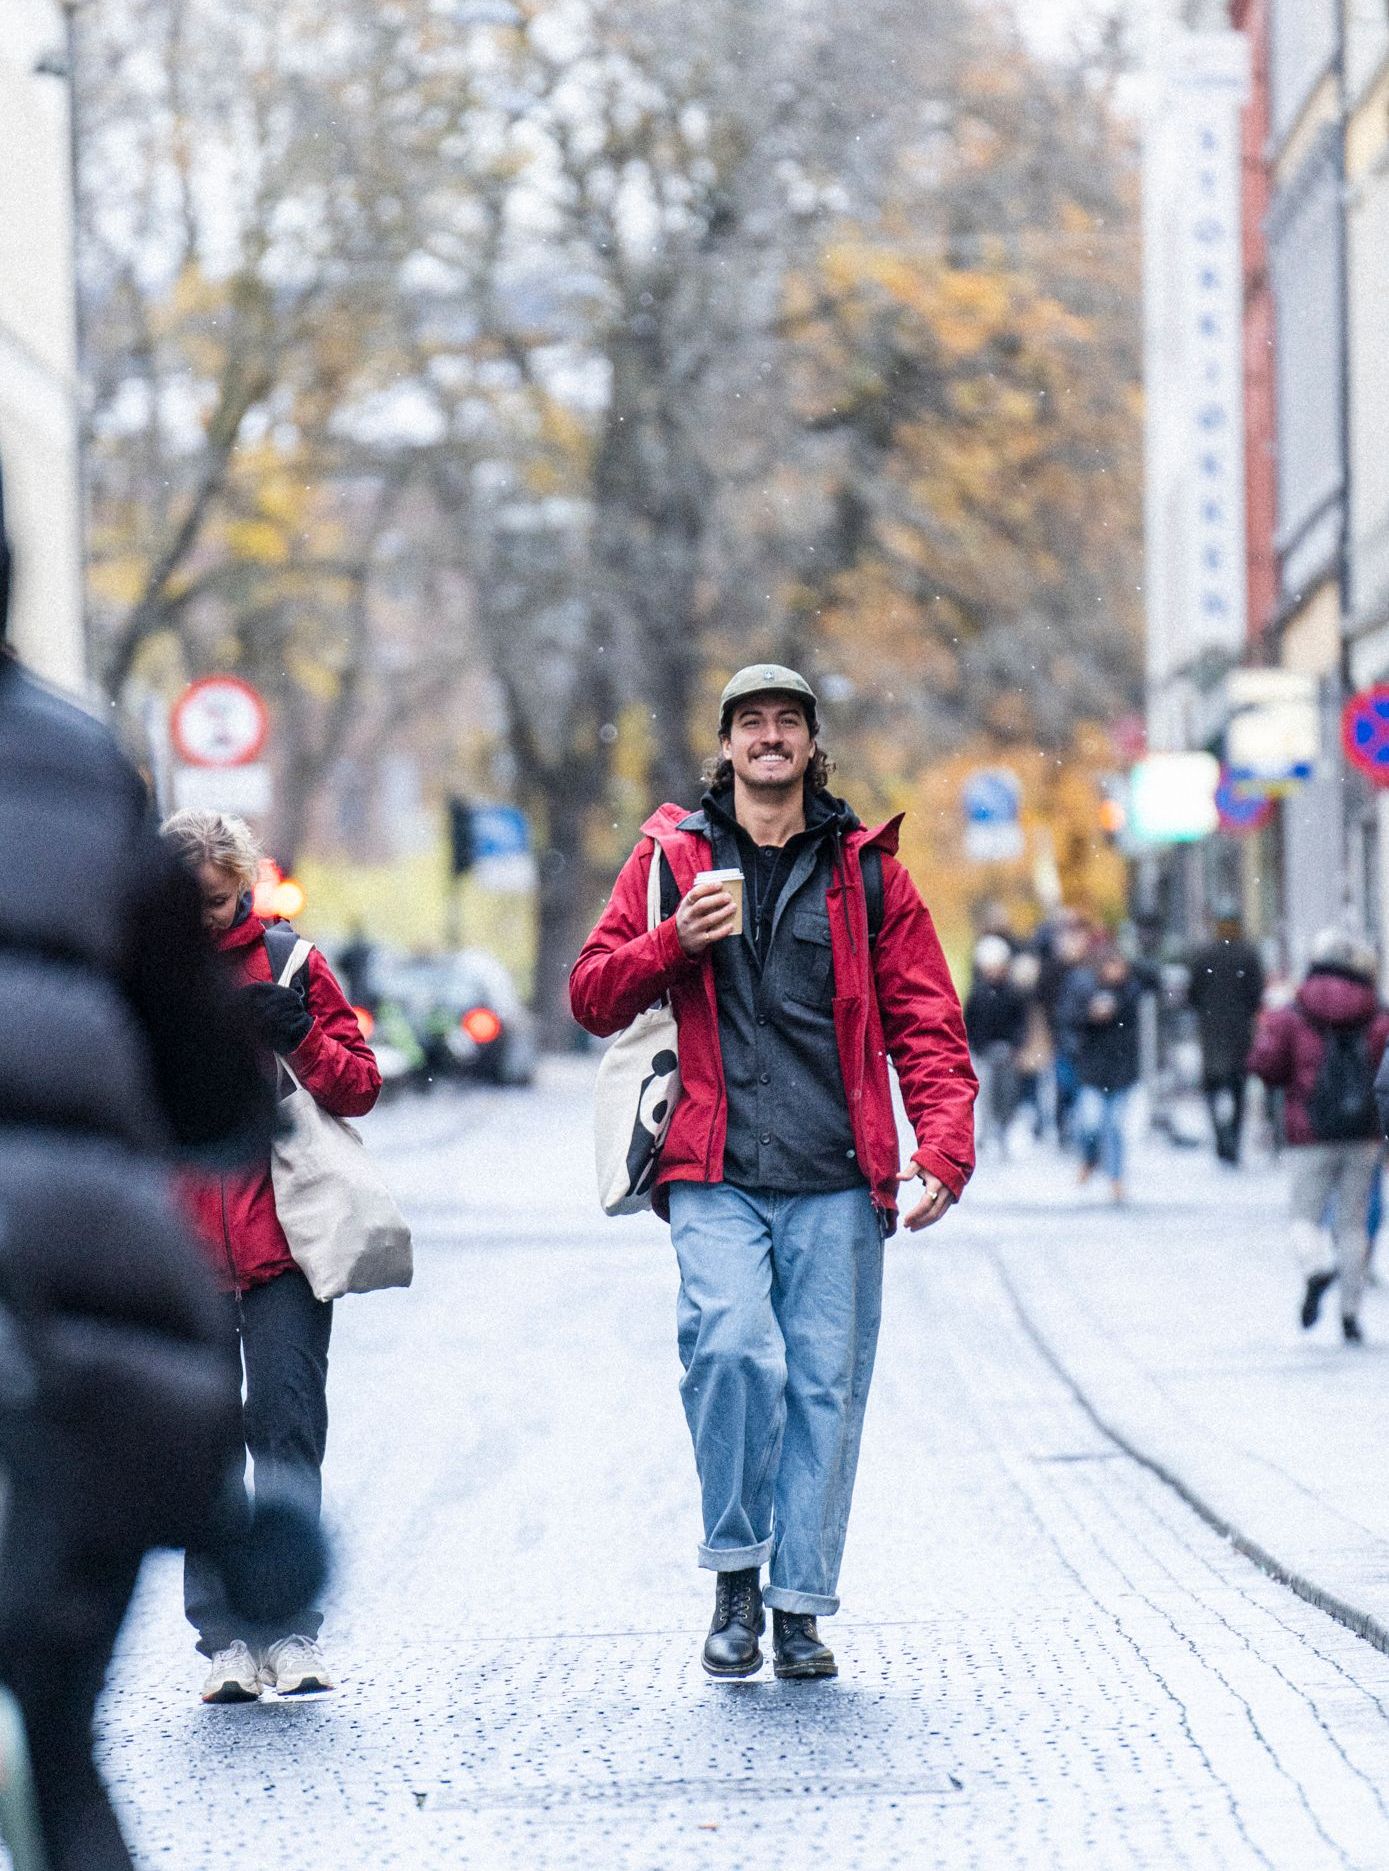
x,y
219,721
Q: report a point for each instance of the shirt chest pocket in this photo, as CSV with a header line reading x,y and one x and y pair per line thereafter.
x,y
808,974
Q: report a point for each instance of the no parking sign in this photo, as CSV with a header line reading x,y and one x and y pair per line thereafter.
x,y
1365,733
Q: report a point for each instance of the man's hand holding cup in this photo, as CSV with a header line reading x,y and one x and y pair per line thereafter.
x,y
711,910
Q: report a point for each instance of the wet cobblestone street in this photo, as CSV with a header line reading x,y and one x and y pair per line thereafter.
x,y
1046,1658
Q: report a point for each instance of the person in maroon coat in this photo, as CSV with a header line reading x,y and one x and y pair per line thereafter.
x,y
273,1322
1323,1052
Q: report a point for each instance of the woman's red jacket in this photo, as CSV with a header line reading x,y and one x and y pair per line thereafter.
x,y
235,1213
894,999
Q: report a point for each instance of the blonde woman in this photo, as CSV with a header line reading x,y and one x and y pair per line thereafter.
x,y
273,1321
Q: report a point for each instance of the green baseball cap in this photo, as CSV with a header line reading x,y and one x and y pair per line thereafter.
x,y
768,679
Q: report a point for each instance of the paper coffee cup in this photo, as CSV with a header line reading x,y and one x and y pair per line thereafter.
x,y
732,881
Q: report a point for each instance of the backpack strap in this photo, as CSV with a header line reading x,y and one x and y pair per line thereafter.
x,y
669,900
288,953
871,867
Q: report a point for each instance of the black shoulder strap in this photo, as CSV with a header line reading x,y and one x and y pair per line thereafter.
x,y
871,865
670,893
279,940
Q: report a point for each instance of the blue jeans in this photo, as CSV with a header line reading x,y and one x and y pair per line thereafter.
x,y
780,1298
1099,1125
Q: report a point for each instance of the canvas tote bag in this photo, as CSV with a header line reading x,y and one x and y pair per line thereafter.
x,y
637,1091
343,1227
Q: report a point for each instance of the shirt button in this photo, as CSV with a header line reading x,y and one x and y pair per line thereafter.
x,y
766,1136
762,1019
765,1079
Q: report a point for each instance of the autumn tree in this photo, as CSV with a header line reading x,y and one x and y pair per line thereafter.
x,y
583,351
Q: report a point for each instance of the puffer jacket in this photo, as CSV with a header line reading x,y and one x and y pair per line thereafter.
x,y
1290,1041
120,1048
235,1212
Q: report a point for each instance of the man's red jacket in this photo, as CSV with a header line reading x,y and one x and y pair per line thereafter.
x,y
896,999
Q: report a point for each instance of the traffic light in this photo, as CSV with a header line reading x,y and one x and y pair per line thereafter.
x,y
462,840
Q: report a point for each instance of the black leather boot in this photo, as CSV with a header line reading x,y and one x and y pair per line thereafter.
x,y
731,1648
797,1652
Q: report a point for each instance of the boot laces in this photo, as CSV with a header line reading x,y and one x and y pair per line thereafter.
x,y
735,1598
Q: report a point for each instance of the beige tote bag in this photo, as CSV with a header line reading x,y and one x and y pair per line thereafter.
x,y
637,1090
343,1227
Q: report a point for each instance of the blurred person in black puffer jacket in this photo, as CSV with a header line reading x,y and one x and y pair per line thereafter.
x,y
120,1052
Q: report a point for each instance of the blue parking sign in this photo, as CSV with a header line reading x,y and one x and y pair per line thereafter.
x,y
500,832
992,796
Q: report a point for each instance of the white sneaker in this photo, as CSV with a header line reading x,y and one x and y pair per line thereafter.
x,y
233,1676
295,1667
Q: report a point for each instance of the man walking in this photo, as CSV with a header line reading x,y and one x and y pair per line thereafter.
x,y
1226,992
779,1175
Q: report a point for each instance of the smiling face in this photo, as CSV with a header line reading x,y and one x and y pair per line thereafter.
x,y
769,743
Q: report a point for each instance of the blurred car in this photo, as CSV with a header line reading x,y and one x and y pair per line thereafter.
x,y
465,1013
400,1058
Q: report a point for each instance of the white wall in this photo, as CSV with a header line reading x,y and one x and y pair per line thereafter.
x,y
38,430
1303,46
1304,259
1369,398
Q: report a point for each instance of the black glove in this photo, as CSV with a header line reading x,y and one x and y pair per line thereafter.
x,y
282,1017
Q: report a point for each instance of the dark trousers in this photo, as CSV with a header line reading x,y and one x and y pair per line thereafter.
x,y
280,1333
56,1638
1225,1101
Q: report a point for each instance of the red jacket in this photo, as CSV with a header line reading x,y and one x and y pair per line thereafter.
x,y
1290,1041
235,1213
914,1015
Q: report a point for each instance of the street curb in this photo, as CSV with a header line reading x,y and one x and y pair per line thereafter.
x,y
1363,1624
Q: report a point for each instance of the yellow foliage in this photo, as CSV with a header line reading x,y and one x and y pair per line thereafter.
x,y
1061,798
260,541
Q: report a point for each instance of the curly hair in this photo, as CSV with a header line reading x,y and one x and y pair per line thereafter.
x,y
717,773
215,838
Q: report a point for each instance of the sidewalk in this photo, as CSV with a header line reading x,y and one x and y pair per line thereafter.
x,y
1175,1322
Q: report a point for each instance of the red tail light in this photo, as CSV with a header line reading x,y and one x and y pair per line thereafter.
x,y
481,1025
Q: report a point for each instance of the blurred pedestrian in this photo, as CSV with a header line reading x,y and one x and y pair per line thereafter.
x,y
356,964
1036,1058
1323,1051
1226,992
1064,956
270,1321
779,1172
119,1047
1101,1009
996,1026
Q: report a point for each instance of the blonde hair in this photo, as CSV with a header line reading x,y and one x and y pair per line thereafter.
x,y
201,837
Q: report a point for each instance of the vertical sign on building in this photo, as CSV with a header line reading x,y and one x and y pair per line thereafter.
x,y
1193,364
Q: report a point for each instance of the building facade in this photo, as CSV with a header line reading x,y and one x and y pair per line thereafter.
x,y
1306,260
1314,203
1365,104
38,363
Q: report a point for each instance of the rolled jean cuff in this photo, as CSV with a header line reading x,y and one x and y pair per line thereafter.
x,y
808,1604
734,1558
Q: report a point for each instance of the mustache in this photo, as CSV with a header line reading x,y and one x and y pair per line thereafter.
x,y
772,747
